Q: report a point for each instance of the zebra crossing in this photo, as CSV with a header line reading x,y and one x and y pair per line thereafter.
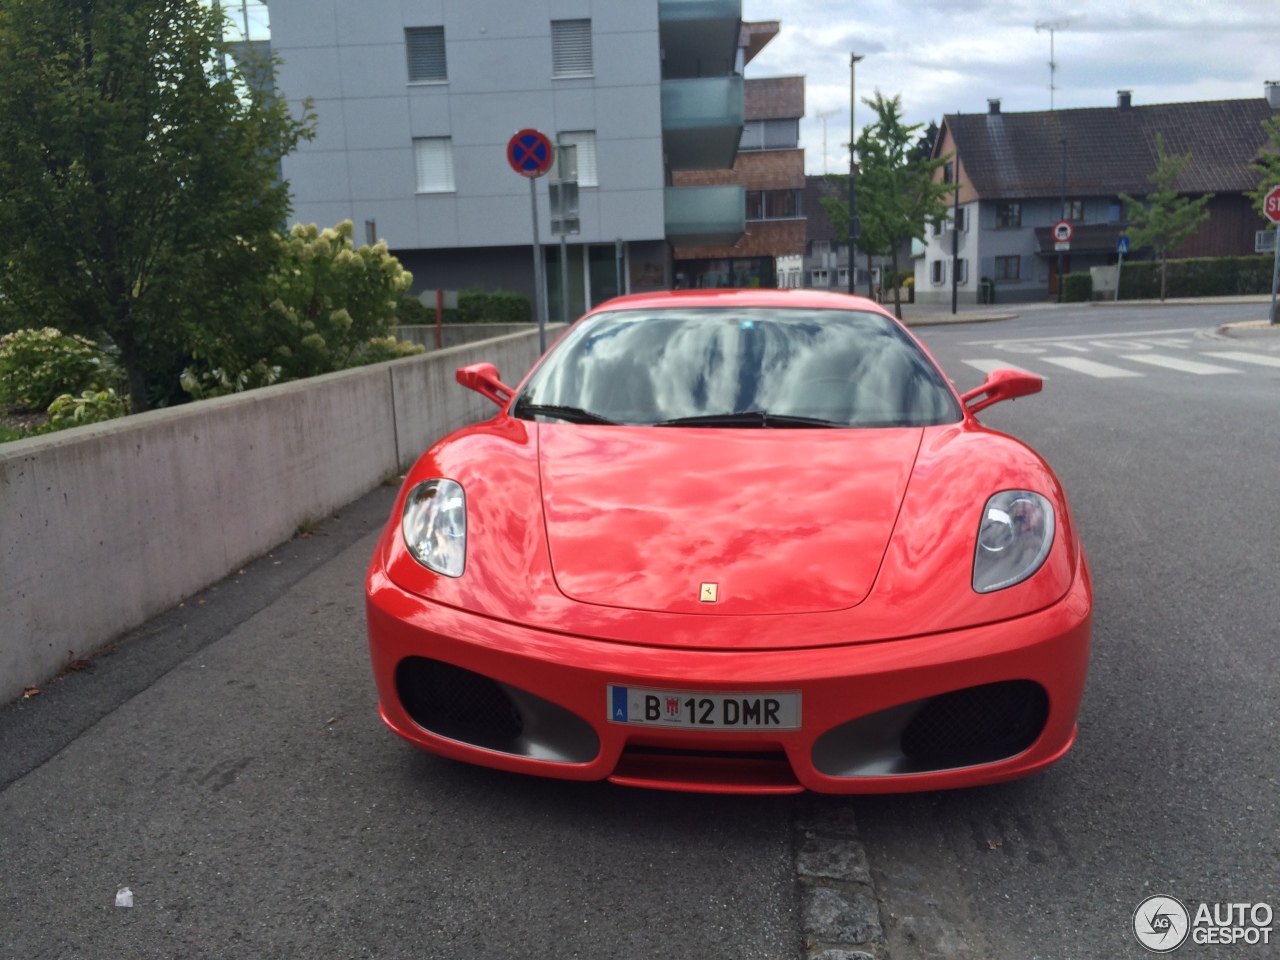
x,y
1120,356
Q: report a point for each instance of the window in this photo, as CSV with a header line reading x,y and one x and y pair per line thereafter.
x,y
585,141
433,157
937,228
1008,268
425,46
821,247
571,48
1008,214
770,135
962,271
1114,215
1073,210
962,219
773,204
842,278
948,174
820,278
938,271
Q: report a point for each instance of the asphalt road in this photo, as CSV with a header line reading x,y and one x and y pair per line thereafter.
x,y
1174,783
227,765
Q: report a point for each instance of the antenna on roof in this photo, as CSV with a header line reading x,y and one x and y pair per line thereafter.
x,y
824,116
1053,26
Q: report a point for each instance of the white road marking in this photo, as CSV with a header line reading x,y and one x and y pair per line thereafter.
x,y
1063,345
1145,334
1177,363
1092,367
1266,361
1180,342
986,366
1110,344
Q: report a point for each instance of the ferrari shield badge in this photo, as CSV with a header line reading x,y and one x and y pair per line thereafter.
x,y
709,591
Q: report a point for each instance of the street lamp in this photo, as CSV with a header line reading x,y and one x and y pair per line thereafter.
x,y
855,225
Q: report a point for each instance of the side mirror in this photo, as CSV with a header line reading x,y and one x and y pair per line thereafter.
x,y
1001,384
483,379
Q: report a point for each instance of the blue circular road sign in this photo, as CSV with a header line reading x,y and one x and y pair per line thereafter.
x,y
529,153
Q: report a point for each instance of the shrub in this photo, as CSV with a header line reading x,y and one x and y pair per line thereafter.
x,y
92,406
498,306
386,348
38,365
1197,277
410,311
1077,287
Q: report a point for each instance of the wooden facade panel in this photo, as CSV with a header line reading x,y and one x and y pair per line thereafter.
x,y
764,238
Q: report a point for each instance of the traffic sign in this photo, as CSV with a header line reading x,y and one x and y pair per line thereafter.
x,y
1271,205
1122,245
529,153
1062,231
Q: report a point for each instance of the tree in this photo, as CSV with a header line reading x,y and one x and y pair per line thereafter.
x,y
923,149
139,179
897,194
1166,219
1268,166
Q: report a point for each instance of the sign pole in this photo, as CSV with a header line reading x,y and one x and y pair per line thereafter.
x,y
1119,268
539,275
1275,277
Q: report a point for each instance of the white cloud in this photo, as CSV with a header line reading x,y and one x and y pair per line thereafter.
x,y
945,56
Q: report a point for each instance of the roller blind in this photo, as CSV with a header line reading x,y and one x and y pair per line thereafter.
x,y
433,157
585,141
571,48
425,46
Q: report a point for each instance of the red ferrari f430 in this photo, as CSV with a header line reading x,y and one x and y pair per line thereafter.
x,y
735,541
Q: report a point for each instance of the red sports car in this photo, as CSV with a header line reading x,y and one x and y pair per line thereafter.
x,y
735,541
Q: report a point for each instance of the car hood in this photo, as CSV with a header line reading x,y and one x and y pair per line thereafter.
x,y
779,521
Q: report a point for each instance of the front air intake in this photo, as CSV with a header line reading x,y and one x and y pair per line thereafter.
x,y
976,725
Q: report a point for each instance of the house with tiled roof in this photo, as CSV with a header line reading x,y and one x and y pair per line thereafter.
x,y
1019,173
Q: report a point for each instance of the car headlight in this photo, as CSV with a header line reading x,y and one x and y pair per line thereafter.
x,y
434,525
1014,538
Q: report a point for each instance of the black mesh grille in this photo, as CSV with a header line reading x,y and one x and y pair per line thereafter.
x,y
977,725
458,704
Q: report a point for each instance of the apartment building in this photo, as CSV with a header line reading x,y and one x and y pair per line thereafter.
x,y
769,167
417,99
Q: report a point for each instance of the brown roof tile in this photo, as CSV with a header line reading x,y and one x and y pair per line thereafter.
x,y
774,98
1110,150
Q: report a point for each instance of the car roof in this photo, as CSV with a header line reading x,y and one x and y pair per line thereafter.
x,y
796,298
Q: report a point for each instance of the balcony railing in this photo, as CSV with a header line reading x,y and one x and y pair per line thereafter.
x,y
702,122
712,216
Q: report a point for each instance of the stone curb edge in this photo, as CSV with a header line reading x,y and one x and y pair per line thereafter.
x,y
839,910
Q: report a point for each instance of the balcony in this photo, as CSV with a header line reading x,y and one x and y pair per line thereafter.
x,y
699,37
701,122
713,216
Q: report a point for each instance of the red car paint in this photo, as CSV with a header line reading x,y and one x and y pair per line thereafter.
x,y
586,545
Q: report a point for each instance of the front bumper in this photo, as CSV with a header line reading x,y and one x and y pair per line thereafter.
x,y
857,699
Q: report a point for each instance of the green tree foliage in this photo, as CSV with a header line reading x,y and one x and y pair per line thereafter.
x,y
897,194
1165,219
1268,166
328,306
36,366
139,178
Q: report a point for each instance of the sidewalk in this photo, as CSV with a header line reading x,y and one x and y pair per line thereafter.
x,y
1182,301
933,315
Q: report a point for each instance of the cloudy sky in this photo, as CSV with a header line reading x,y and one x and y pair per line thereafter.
x,y
949,56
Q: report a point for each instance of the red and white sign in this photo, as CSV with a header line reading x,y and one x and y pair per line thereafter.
x,y
1271,205
1062,231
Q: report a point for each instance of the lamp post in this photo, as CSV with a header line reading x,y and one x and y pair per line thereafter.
x,y
1062,209
855,225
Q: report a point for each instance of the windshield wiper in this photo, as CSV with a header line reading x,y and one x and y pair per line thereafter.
x,y
571,414
748,418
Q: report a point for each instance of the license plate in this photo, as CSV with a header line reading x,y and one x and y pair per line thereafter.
x,y
694,710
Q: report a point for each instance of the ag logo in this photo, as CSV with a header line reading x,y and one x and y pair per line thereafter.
x,y
1161,924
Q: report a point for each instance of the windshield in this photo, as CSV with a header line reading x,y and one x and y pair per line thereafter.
x,y
738,367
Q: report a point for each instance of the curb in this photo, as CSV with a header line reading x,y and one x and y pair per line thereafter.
x,y
927,321
839,909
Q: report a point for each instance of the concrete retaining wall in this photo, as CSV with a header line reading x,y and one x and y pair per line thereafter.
x,y
455,334
104,527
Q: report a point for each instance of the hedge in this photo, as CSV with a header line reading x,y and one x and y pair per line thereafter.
x,y
1199,277
500,306
1077,287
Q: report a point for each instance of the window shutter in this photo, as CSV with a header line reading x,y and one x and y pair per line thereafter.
x,y
781,134
433,157
571,48
585,141
426,54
